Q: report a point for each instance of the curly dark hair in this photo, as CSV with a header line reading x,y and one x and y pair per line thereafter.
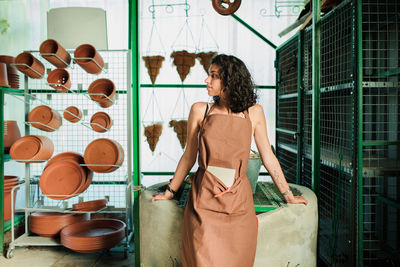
x,y
237,82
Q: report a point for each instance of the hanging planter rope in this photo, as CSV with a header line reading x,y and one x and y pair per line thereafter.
x,y
152,128
209,49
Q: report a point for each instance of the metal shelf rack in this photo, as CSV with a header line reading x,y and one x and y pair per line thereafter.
x,y
356,133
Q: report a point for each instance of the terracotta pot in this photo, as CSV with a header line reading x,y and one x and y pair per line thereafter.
x,y
49,224
90,205
93,235
100,122
33,67
89,59
3,76
7,204
62,179
32,149
11,134
45,118
54,53
103,92
72,114
103,152
60,80
12,72
205,59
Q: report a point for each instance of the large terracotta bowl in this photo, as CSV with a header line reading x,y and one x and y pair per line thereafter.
x,y
45,118
90,205
49,224
93,235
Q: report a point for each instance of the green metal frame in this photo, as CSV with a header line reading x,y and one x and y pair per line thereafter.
x,y
316,84
299,108
359,90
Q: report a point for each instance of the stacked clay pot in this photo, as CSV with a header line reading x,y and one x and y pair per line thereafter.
x,y
45,118
12,72
102,91
3,76
50,224
32,149
104,155
9,183
101,122
11,134
93,235
64,176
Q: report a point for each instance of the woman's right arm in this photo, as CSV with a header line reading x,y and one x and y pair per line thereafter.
x,y
188,158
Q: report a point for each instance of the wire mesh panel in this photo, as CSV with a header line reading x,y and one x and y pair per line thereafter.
x,y
288,161
287,57
381,47
287,113
337,46
335,215
307,59
75,137
307,121
306,177
336,134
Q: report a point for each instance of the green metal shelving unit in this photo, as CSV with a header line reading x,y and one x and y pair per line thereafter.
x,y
358,140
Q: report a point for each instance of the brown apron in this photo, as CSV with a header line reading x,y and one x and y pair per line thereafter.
x,y
219,223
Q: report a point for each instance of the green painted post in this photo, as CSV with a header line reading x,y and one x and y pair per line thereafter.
x,y
134,48
316,84
2,170
299,134
359,88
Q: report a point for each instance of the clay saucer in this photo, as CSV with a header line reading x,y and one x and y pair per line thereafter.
x,y
74,110
90,205
62,179
78,158
93,235
100,122
42,116
25,148
101,151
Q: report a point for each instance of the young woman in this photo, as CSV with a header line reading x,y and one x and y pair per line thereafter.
x,y
220,224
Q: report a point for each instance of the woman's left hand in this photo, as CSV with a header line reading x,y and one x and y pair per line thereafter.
x,y
296,200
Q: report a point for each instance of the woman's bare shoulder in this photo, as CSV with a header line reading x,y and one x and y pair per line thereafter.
x,y
199,106
256,110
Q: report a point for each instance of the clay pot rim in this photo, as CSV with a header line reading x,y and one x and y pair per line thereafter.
x,y
45,177
101,115
21,141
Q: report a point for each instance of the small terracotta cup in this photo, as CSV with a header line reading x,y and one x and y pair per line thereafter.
x,y
54,53
45,118
11,134
72,114
102,91
89,59
60,80
33,67
100,122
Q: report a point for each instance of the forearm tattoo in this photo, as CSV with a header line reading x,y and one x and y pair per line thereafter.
x,y
277,178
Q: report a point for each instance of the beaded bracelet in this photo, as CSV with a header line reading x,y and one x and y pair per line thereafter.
x,y
286,193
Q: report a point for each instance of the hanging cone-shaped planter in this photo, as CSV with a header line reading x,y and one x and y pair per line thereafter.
x,y
153,133
183,61
180,127
205,59
153,65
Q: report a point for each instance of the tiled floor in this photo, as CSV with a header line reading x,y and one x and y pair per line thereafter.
x,y
63,257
